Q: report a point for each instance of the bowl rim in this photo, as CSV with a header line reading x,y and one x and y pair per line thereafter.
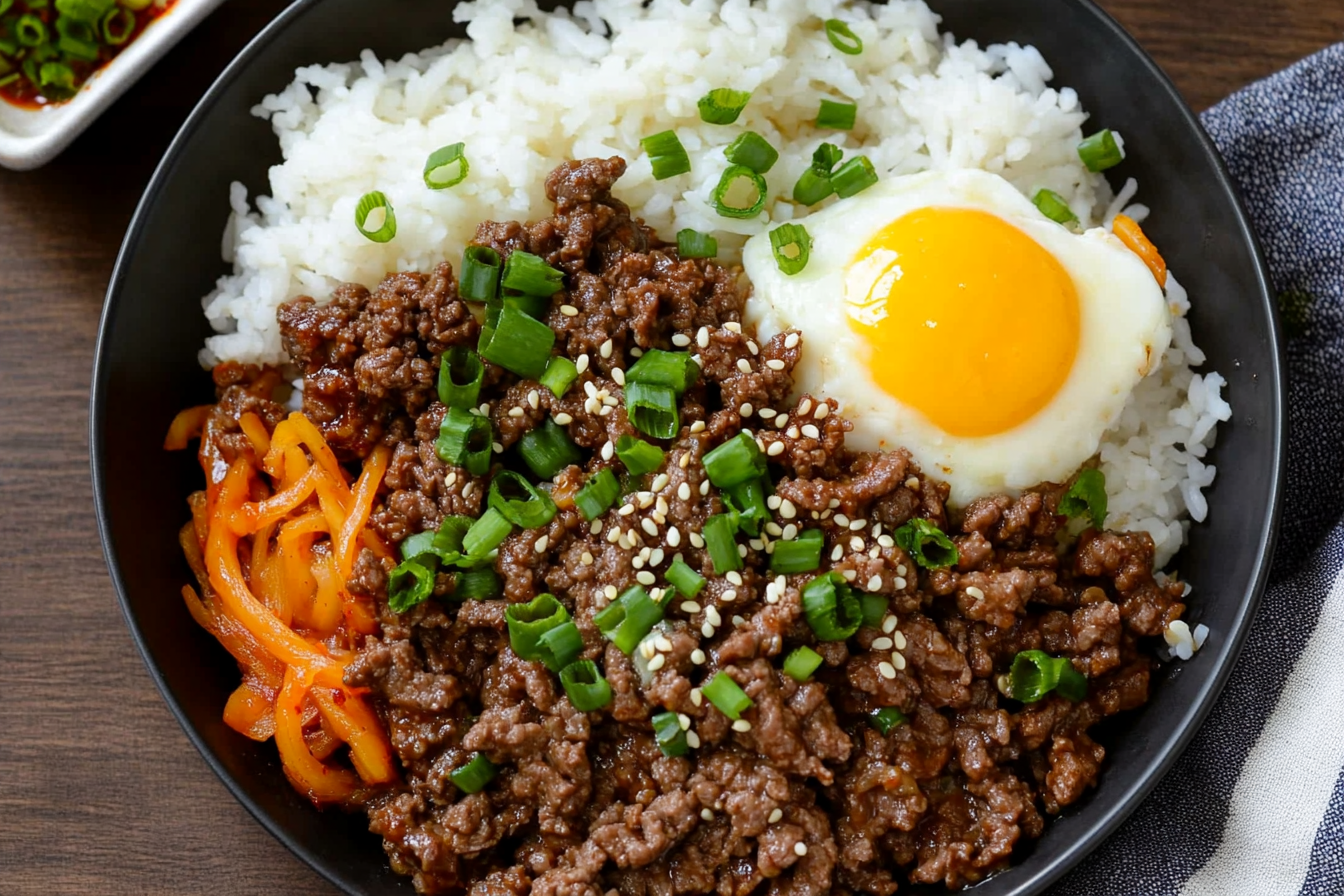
x,y
1183,729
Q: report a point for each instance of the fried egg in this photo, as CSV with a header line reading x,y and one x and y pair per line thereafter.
x,y
947,315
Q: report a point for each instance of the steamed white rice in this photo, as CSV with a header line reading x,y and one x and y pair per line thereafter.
x,y
593,82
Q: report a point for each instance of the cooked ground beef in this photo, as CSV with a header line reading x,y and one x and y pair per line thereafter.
x,y
806,798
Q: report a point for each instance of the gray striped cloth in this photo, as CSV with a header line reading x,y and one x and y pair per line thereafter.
x,y
1255,806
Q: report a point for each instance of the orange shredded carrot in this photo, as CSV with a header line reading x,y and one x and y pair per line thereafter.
x,y
254,515
251,711
256,433
1129,232
319,781
187,425
328,609
360,508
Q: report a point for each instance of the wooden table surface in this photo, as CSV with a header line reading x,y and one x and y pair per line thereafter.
x,y
99,789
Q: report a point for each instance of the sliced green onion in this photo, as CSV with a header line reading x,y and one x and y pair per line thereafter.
x,y
812,187
531,275
560,646
448,540
638,455
136,5
560,375
478,281
76,48
30,31
726,696
837,116
1086,495
666,155
532,306
598,494
486,534
734,462
520,502
676,370
855,176
461,374
9,47
1053,206
802,554
687,581
10,79
472,777
752,150
5,5
652,409
478,584
873,608
722,105
125,26
518,343
792,246
85,11
1100,151
464,441
719,541
446,167
747,500
629,618
411,583
667,731
926,543
801,663
528,622
843,38
413,546
694,244
548,449
369,203
832,610
732,180
58,75
584,685
825,157
886,718
1035,673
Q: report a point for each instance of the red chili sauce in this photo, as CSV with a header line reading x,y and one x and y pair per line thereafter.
x,y
50,48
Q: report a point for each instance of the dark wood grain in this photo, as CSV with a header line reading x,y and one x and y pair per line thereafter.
x,y
100,792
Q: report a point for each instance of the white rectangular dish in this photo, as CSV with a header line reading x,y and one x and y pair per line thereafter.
x,y
29,138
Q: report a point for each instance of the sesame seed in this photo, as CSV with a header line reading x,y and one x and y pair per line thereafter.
x,y
660,482
647,650
898,661
742,550
589,389
685,460
744,365
800,849
707,630
610,592
734,326
702,337
912,483
569,311
450,480
849,574
882,643
885,541
637,562
734,576
781,421
684,490
822,410
900,569
618,375
626,509
608,450
693,741
787,510
766,413
704,487
889,624
738,620
656,557
712,615
742,726
563,419
698,426
673,536
636,351
771,596
874,583
772,528
775,364
645,499
775,449
605,349
777,814
856,525
696,540
811,431
690,606
644,577
484,409
605,411
790,532
856,543
729,596
791,340
657,663
773,502
753,347
975,592
684,721
680,340
837,552
898,639
497,448
581,364
594,527
541,543
886,670
707,815
697,657
833,503
534,399
515,412
899,582
746,409
842,521
586,558
875,552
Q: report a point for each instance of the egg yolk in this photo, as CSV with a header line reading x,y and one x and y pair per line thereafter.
x,y
968,320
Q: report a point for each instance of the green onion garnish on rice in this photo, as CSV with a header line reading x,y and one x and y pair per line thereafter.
x,y
666,155
694,244
736,180
753,151
1087,495
853,177
722,105
1053,206
791,245
446,167
843,38
837,116
375,205
1100,151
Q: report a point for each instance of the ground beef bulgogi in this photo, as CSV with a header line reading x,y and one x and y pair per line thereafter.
x,y
802,796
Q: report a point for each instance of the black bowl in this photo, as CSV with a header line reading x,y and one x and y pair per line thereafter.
x,y
146,371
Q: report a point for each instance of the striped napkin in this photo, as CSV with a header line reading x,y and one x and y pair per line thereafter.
x,y
1255,806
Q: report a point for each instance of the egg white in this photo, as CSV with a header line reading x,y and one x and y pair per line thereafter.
x,y
1125,327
